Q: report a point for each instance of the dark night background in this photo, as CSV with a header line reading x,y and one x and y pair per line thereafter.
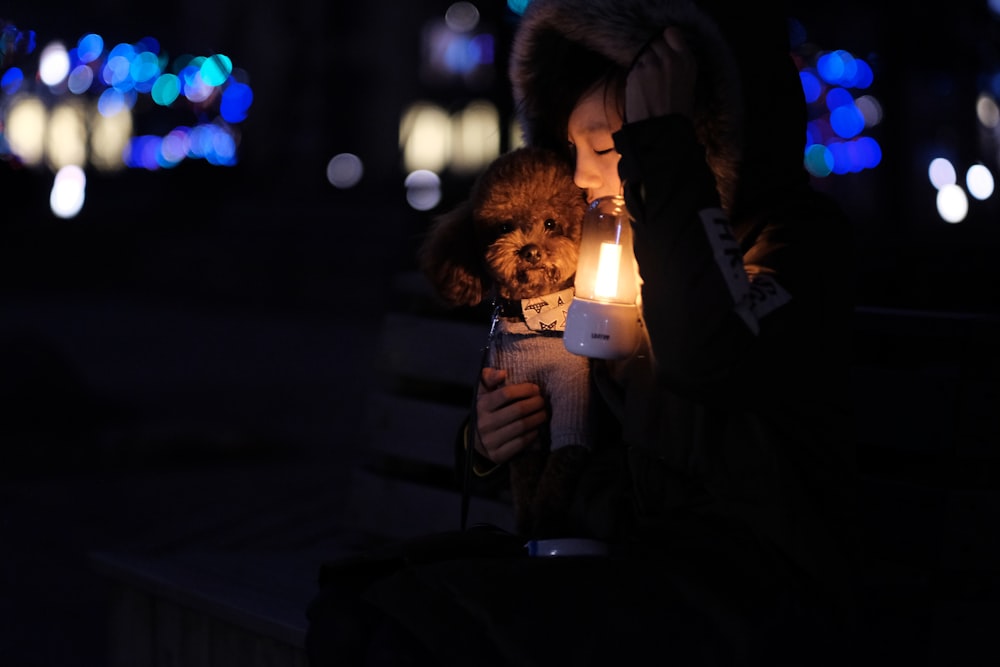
x,y
201,339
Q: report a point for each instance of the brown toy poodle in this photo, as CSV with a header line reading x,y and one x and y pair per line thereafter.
x,y
515,241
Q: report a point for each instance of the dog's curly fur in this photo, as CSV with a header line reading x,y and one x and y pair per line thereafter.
x,y
518,236
519,232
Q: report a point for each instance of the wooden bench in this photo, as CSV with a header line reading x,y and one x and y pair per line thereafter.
x,y
425,377
929,436
241,601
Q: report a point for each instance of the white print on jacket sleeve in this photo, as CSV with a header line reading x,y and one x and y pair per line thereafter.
x,y
753,299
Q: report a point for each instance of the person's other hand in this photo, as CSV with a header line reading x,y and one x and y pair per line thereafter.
x,y
508,416
662,79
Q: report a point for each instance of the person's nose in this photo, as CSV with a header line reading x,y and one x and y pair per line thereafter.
x,y
587,176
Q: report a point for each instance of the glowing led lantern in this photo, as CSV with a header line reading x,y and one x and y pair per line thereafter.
x,y
603,318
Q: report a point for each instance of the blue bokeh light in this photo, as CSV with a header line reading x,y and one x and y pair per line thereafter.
x,y
207,86
811,85
236,100
11,80
90,47
847,121
838,97
834,142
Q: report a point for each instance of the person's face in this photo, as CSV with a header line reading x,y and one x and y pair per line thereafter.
x,y
591,124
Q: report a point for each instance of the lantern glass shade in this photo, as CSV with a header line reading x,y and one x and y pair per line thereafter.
x,y
603,318
605,270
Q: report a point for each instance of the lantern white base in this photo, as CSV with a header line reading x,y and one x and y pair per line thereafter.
x,y
601,330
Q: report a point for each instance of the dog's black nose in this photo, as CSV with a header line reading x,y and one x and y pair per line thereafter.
x,y
530,253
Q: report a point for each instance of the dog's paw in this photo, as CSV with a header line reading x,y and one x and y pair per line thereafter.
x,y
550,509
525,472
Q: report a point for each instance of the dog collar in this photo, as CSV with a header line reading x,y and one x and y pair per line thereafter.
x,y
540,313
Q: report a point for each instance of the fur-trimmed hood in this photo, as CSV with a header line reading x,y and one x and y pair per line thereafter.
x,y
753,126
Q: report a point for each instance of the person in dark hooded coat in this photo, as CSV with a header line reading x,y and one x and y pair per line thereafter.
x,y
724,475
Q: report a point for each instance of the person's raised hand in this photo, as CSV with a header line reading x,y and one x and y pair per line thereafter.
x,y
662,79
508,416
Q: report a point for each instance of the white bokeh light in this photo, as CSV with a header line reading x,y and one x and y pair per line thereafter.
x,y
25,130
941,172
979,181
53,64
987,111
952,204
344,170
462,16
68,191
423,189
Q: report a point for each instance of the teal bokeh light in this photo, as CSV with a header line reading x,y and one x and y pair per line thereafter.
x,y
819,160
216,69
217,94
166,89
518,6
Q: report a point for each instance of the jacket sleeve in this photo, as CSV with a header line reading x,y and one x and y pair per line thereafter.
x,y
705,308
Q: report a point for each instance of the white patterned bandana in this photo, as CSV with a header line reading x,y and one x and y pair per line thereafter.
x,y
548,312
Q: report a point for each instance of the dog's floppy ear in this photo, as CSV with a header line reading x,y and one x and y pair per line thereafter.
x,y
451,257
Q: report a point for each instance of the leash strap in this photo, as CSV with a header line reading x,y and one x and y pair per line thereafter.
x,y
473,430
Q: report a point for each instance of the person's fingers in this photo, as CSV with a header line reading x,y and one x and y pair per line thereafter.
x,y
496,412
501,444
508,417
674,49
491,378
507,449
674,38
669,54
663,79
492,400
508,420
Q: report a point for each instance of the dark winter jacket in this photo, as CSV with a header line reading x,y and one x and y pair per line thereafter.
x,y
737,411
724,479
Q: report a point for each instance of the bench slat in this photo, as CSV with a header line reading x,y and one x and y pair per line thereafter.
x,y
414,429
432,349
401,509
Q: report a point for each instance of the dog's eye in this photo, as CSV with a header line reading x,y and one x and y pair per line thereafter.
x,y
507,227
550,224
